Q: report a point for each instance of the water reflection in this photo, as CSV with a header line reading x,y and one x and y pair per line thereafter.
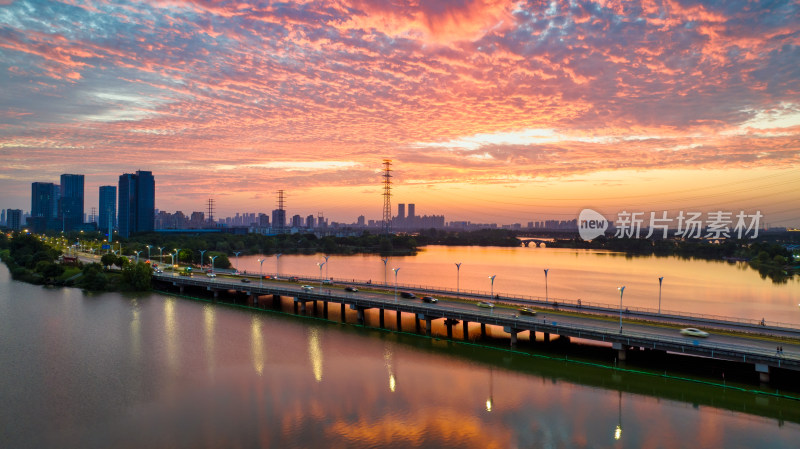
x,y
256,345
387,357
171,333
136,331
208,321
315,353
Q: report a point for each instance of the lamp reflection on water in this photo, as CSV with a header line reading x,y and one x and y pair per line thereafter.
x,y
387,357
315,354
618,429
490,399
256,345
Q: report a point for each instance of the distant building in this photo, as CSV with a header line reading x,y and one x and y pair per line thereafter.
x,y
297,221
278,220
108,208
411,213
401,211
361,221
263,220
310,221
44,207
136,203
14,219
71,202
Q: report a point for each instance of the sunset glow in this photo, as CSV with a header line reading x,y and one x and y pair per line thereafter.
x,y
491,111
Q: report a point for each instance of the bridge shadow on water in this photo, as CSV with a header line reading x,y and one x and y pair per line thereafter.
x,y
694,380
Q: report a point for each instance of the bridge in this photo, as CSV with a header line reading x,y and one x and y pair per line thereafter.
x,y
744,341
538,242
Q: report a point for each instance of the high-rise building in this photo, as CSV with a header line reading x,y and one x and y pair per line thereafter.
x,y
71,202
401,211
14,219
108,208
136,203
411,212
263,220
310,221
44,207
297,221
2,217
278,220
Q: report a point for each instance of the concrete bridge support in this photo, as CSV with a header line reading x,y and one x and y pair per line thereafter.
x,y
360,315
622,352
343,314
428,326
513,332
763,372
465,325
325,309
450,322
416,322
399,321
483,330
381,323
546,337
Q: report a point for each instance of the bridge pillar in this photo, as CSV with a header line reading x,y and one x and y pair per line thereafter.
x,y
416,322
449,322
428,326
315,307
399,322
325,309
483,330
622,353
763,372
546,337
465,325
181,289
360,315
380,318
513,337
276,301
343,314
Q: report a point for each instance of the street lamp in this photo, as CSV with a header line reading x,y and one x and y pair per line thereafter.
x,y
173,259
261,272
395,283
492,278
545,284
278,265
458,280
660,280
212,262
161,254
137,255
177,256
320,265
621,291
384,260
202,251
237,260
148,251
326,267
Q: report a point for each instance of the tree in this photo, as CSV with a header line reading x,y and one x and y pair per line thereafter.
x,y
137,276
108,259
93,277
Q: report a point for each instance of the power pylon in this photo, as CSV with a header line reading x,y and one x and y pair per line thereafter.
x,y
386,225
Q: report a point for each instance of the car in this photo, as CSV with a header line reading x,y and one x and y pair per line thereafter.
x,y
407,295
327,281
694,332
245,280
429,299
294,279
527,311
211,275
350,289
159,270
486,305
308,288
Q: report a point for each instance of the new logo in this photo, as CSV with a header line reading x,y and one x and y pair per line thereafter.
x,y
591,224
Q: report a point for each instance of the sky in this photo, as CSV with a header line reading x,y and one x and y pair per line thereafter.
x,y
490,111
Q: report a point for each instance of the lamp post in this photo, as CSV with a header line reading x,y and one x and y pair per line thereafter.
x,y
202,259
137,255
458,280
237,260
177,256
261,272
278,265
660,280
492,278
621,291
212,262
384,260
161,254
326,266
148,251
173,259
395,283
320,265
545,284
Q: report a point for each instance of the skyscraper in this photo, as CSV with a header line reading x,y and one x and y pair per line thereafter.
x,y
108,208
411,211
401,211
71,210
136,203
44,207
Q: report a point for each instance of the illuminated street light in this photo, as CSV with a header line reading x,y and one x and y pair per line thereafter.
x,y
458,280
545,284
621,291
261,272
661,279
395,283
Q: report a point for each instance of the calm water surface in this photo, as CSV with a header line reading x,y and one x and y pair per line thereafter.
x,y
692,286
98,371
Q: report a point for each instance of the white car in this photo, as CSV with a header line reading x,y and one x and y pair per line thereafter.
x,y
308,288
694,332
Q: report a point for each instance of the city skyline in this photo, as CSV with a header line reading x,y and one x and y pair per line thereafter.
x,y
490,111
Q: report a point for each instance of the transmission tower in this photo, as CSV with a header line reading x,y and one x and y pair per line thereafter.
x,y
386,225
281,217
211,212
